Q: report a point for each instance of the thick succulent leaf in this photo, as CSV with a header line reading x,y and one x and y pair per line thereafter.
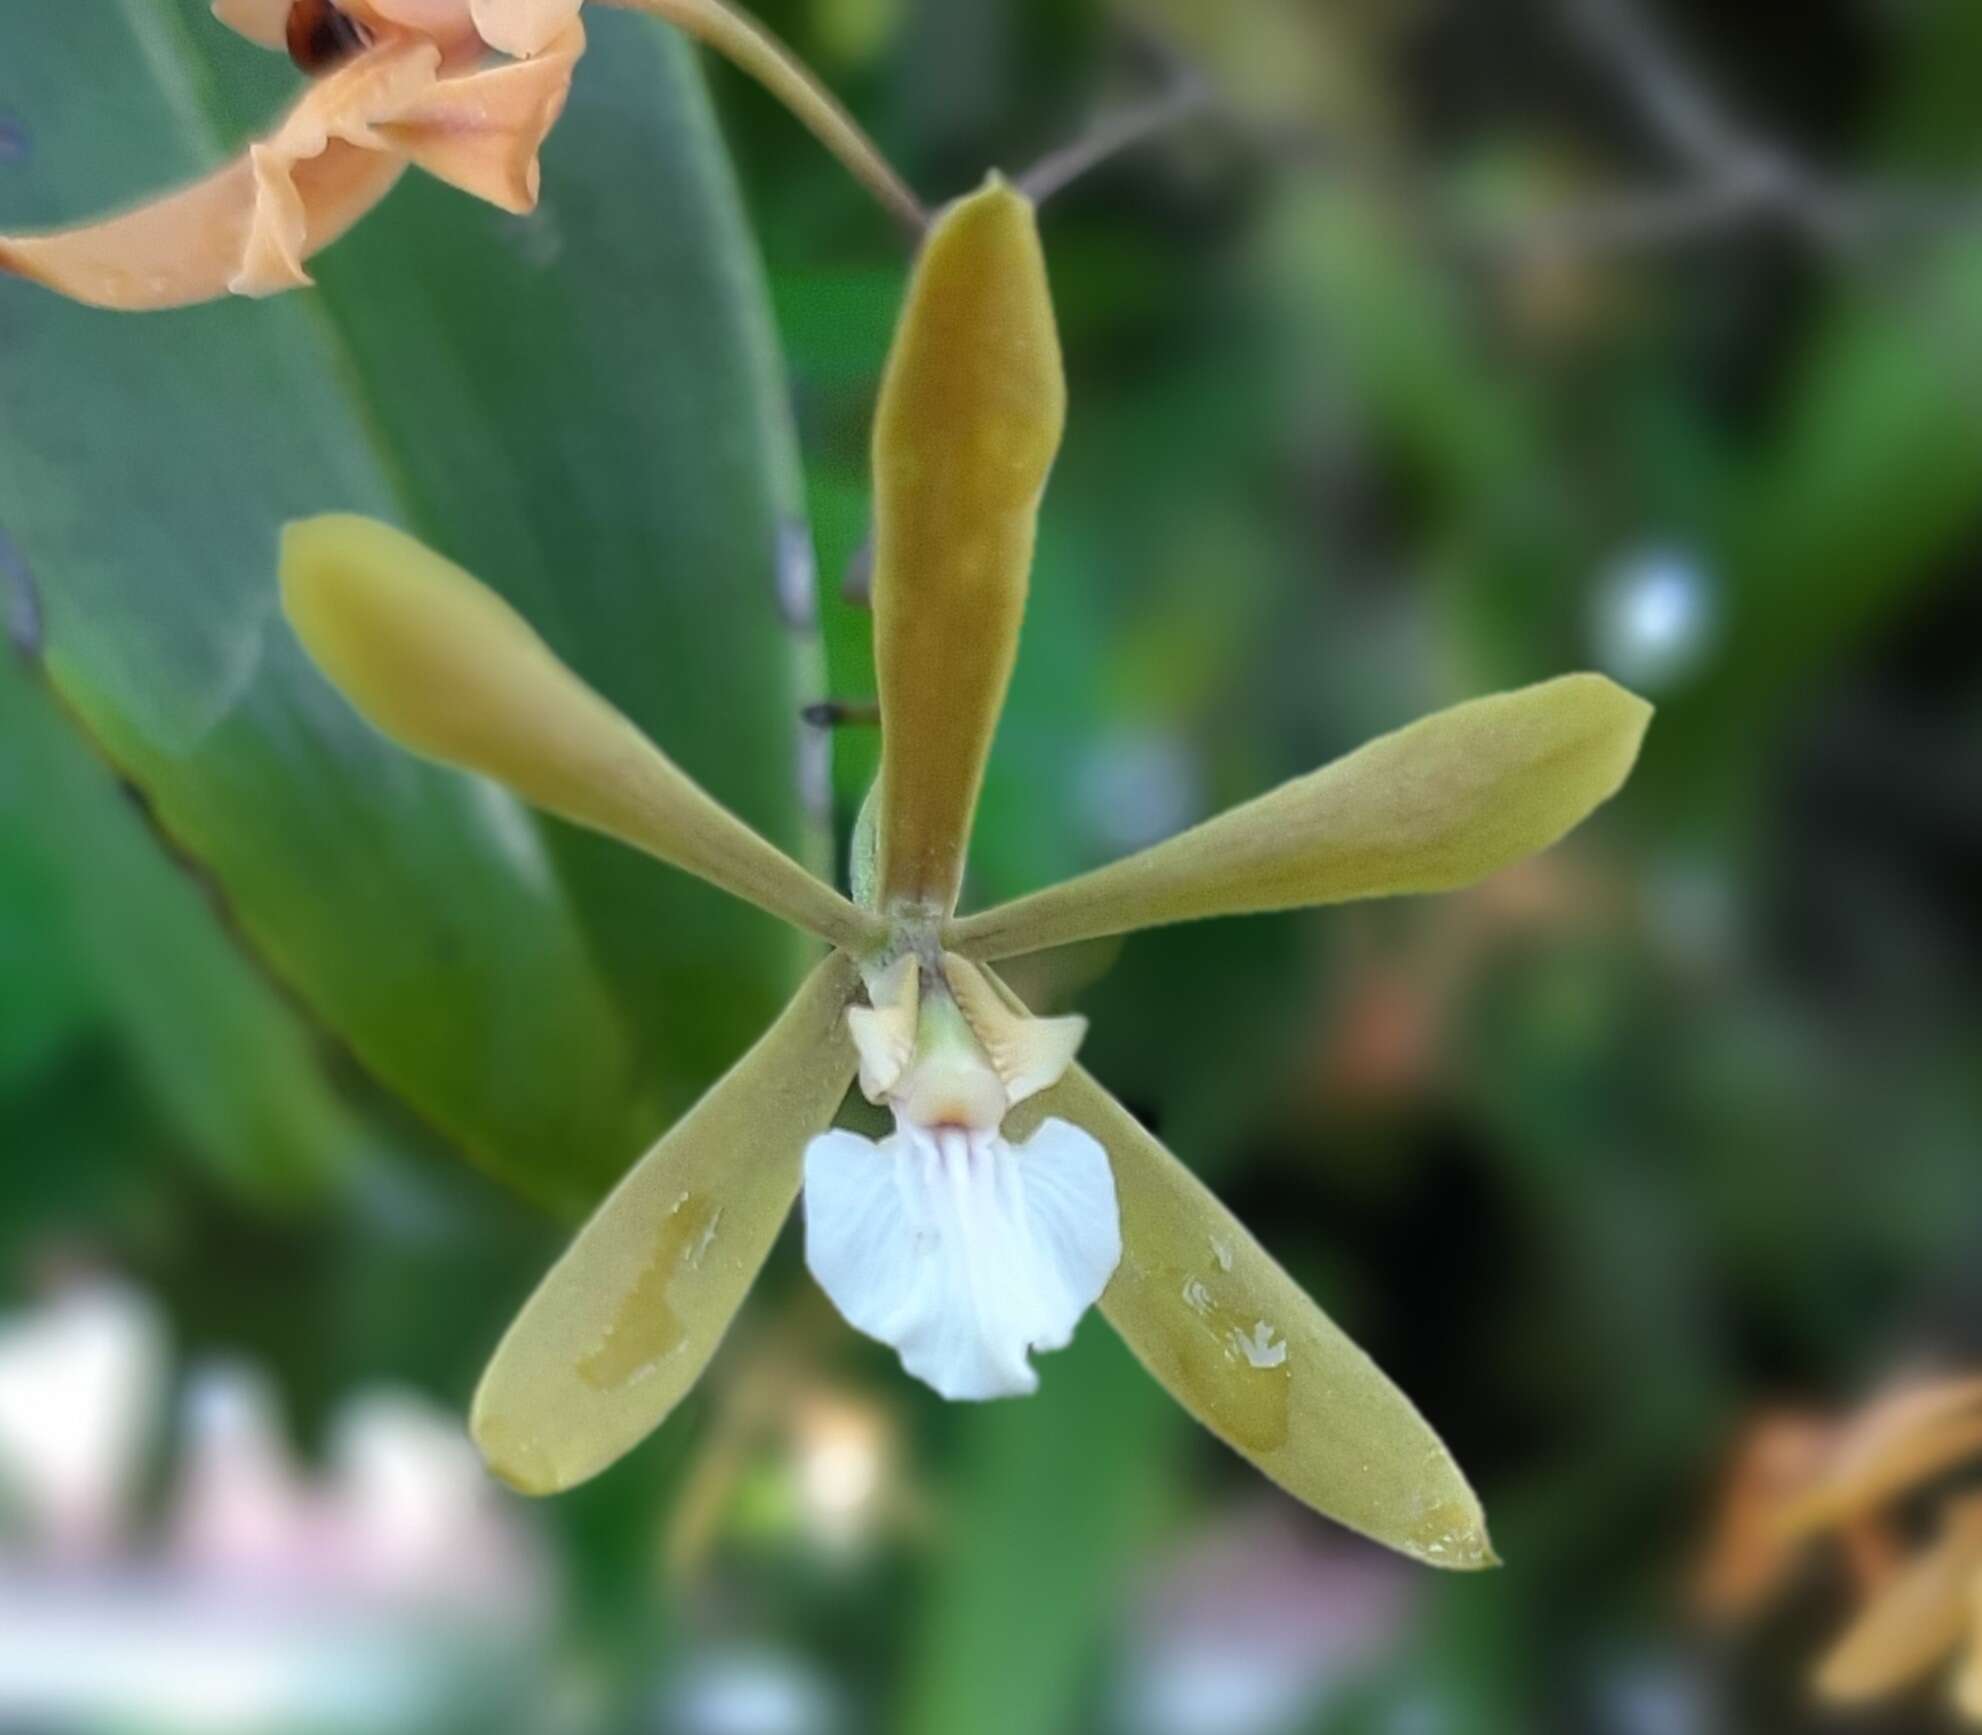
x,y
1237,1342
629,1317
969,419
621,470
1431,807
1916,1621
228,1066
444,666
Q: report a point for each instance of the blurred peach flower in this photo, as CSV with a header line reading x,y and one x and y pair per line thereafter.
x,y
1749,1556
1799,1477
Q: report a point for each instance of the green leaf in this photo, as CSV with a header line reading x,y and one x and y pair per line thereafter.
x,y
585,408
1871,480
227,1064
1058,1495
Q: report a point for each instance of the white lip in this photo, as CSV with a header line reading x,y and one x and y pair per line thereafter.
x,y
963,1252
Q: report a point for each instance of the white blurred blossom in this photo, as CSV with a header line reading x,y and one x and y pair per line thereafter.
x,y
81,1381
1656,618
386,1592
1135,787
1256,1623
750,1691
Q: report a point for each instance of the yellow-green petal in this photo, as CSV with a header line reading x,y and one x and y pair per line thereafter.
x,y
969,420
627,1320
445,667
1241,1346
1916,1621
1429,808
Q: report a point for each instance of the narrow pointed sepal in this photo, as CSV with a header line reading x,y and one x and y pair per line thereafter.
x,y
1238,1343
969,421
1915,1622
1434,806
626,1321
444,666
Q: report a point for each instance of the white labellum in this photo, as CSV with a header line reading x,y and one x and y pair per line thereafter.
x,y
964,1252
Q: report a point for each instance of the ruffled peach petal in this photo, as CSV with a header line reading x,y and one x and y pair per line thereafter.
x,y
250,226
523,28
380,85
447,22
279,232
338,115
197,243
263,22
481,132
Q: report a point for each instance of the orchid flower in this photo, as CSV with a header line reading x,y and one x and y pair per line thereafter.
x,y
398,82
1015,1192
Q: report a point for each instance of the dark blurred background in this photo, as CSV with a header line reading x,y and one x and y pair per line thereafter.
x,y
1438,348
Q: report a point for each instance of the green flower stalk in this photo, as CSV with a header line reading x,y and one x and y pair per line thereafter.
x,y
1015,1191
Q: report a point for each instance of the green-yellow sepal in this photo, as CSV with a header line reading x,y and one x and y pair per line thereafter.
x,y
969,421
444,666
1429,808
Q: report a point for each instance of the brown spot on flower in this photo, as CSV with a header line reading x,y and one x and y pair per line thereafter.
x,y
321,36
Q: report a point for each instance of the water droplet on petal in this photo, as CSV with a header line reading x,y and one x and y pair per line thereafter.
x,y
1236,1367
